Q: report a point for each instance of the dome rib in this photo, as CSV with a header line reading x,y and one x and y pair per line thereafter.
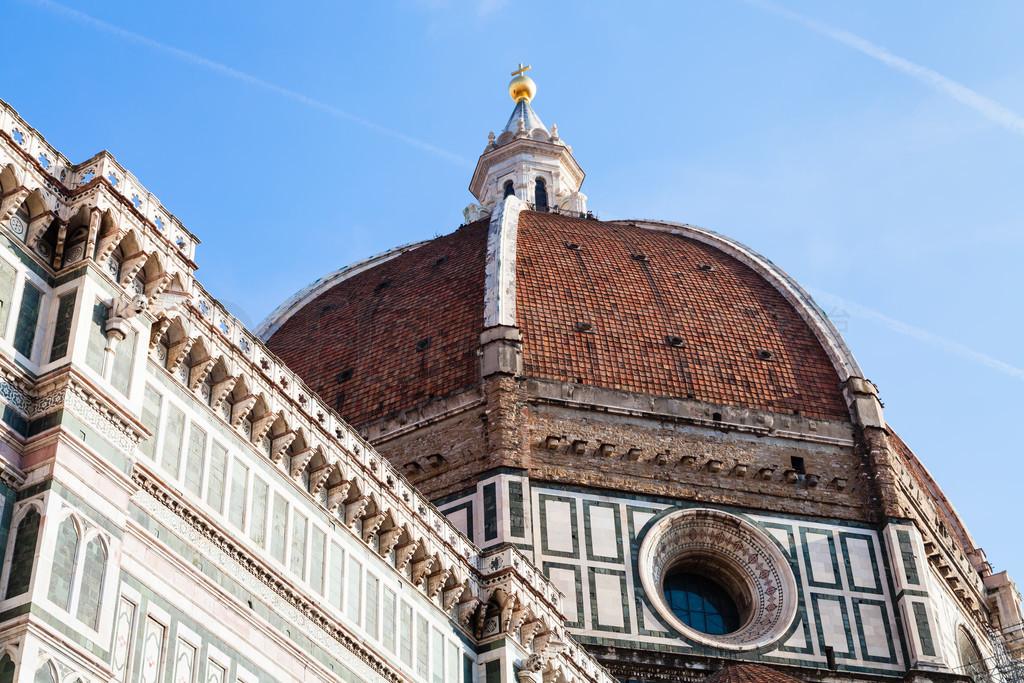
x,y
831,340
599,304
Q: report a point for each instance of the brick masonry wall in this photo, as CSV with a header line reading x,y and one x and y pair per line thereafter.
x,y
654,457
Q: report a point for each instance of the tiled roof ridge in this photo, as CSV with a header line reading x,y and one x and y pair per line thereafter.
x,y
798,297
749,673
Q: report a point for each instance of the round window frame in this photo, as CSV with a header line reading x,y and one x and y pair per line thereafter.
x,y
712,540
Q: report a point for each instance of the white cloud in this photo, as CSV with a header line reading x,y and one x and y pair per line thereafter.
x,y
854,309
988,108
224,70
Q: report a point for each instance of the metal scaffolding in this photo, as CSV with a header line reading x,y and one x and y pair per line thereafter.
x,y
1005,664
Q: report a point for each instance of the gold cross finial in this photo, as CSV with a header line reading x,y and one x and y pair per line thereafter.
x,y
521,70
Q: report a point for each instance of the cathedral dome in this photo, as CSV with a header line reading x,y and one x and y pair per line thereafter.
x,y
628,306
662,416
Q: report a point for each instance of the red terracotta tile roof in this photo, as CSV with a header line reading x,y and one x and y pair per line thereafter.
x,y
638,287
749,673
356,344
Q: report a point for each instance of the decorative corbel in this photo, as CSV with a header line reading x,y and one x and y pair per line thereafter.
x,y
161,303
200,370
156,288
518,617
420,569
479,620
542,639
280,443
336,495
318,478
508,605
157,331
108,244
58,250
11,202
220,390
261,425
370,525
467,608
131,266
404,553
299,461
435,581
241,409
529,629
36,228
354,510
389,539
178,351
450,595
95,220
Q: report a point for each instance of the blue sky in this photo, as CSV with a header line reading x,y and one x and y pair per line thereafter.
x,y
296,139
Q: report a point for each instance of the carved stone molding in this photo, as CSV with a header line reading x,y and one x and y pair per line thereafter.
x,y
79,400
269,587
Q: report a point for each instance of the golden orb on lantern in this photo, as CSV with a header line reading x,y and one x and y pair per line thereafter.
x,y
522,86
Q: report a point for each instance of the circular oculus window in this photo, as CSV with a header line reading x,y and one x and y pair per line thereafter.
x,y
718,580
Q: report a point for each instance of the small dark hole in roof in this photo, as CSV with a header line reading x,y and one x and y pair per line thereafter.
x,y
676,341
423,344
345,375
440,260
383,284
717,417
765,354
328,307
641,257
706,266
584,326
572,246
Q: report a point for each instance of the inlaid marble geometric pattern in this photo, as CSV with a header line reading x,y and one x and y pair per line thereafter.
x,y
843,589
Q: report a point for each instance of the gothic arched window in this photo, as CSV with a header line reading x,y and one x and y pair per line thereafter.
x,y
509,188
540,196
91,595
24,554
44,674
971,661
62,571
6,669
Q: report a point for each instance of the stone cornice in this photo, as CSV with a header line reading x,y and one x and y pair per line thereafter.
x,y
690,411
